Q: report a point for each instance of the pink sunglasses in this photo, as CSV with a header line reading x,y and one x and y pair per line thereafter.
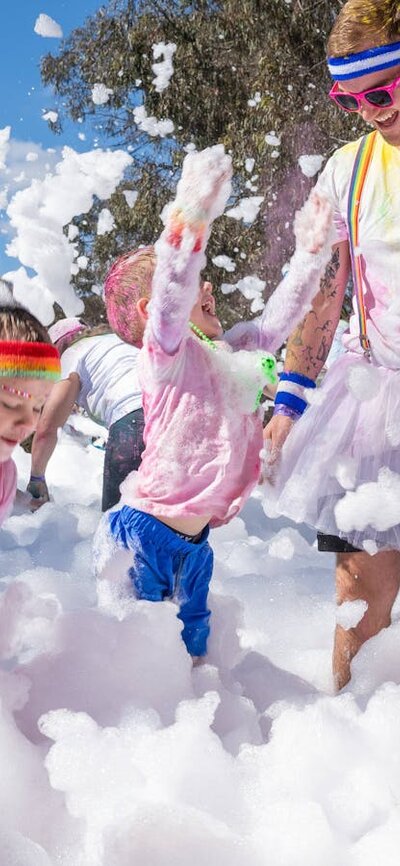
x,y
379,97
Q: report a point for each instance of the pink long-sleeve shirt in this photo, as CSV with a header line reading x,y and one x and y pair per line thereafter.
x,y
8,486
203,436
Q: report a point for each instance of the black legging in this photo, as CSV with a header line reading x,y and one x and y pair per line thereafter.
x,y
123,454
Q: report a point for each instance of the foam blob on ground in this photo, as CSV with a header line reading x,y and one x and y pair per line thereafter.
x,y
349,614
114,750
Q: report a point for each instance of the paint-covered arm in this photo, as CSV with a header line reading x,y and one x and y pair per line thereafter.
x,y
294,295
201,196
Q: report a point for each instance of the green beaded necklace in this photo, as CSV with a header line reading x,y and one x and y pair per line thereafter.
x,y
203,336
268,363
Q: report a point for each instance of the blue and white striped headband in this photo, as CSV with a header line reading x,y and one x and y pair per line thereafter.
x,y
364,62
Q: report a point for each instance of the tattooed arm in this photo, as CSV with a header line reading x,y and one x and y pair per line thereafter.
x,y
309,344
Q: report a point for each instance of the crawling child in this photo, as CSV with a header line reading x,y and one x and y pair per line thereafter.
x,y
201,393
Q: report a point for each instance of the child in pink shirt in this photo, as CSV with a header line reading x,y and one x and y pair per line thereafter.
x,y
29,364
203,425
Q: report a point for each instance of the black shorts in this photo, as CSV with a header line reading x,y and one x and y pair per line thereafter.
x,y
123,454
334,544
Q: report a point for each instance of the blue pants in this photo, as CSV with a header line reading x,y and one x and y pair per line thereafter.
x,y
168,566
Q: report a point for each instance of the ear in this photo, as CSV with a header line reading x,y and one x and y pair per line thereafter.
x,y
141,306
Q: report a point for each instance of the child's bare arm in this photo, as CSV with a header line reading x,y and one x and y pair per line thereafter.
x,y
201,196
293,296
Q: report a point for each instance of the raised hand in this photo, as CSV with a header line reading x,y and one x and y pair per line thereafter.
x,y
205,181
201,196
313,224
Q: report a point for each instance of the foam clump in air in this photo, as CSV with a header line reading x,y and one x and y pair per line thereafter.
x,y
150,123
310,164
251,287
4,145
101,94
247,209
163,69
105,222
47,27
38,215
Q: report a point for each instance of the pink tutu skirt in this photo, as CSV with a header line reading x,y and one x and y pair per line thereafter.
x,y
339,470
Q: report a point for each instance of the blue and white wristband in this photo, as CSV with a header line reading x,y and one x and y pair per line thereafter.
x,y
289,398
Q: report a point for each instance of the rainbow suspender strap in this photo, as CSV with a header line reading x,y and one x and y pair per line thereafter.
x,y
360,169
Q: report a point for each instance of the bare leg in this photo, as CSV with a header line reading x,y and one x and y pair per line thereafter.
x,y
197,661
376,579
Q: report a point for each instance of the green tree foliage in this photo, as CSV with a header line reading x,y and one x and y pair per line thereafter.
x,y
243,69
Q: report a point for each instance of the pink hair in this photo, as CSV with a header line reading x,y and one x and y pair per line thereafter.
x,y
129,279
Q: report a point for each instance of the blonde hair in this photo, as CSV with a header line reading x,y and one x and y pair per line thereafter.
x,y
364,24
129,279
18,324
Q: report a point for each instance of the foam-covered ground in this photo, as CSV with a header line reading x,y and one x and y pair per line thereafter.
x,y
114,752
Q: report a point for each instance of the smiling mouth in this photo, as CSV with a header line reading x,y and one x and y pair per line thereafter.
x,y
11,442
387,119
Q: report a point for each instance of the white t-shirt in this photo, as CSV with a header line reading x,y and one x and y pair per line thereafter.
x,y
379,242
107,369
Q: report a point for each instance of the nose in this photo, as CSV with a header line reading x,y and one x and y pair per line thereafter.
x,y
24,423
369,112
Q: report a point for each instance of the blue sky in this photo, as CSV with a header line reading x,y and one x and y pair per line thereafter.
x,y
23,98
22,95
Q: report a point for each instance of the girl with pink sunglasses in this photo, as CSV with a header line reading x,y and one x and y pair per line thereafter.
x,y
341,463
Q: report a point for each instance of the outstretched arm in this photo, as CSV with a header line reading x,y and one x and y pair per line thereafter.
x,y
309,343
293,296
202,193
54,415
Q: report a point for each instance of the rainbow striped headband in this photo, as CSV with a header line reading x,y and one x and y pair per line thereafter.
x,y
20,359
364,62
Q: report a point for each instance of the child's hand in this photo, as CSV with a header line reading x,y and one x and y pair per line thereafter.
x,y
201,196
313,224
205,183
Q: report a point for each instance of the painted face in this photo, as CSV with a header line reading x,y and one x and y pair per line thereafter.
x,y
385,120
203,313
19,415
